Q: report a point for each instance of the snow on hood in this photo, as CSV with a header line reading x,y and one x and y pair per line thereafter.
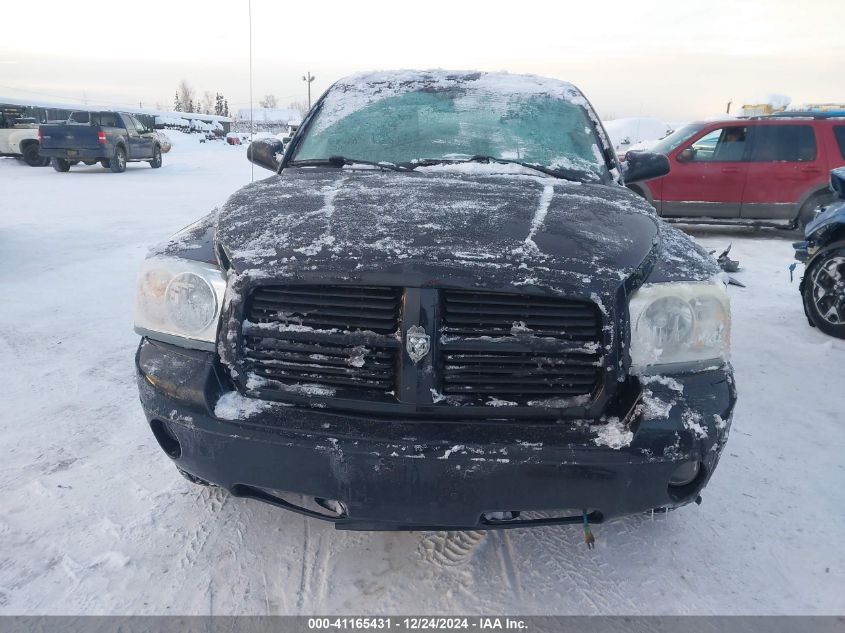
x,y
438,227
432,227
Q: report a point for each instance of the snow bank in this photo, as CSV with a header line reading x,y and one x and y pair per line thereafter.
x,y
624,133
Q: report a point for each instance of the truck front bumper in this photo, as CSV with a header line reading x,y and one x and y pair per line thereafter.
x,y
371,473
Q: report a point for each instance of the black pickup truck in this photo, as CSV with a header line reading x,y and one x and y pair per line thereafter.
x,y
444,310
110,138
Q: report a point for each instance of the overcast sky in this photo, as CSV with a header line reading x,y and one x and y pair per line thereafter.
x,y
670,59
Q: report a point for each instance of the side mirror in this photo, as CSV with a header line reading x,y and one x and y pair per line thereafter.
x,y
639,166
686,155
263,152
837,182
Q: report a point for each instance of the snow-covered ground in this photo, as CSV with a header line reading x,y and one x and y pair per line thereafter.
x,y
95,519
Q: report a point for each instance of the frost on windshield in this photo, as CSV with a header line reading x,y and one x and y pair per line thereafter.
x,y
406,117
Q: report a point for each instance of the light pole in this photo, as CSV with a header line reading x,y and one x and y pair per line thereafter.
x,y
307,78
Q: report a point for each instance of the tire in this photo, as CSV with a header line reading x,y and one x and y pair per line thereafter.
x,y
193,478
118,162
808,209
155,163
31,157
60,164
105,162
824,292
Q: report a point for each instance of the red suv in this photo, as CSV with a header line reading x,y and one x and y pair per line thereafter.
x,y
767,170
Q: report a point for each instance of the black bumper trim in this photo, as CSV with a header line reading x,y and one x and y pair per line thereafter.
x,y
401,475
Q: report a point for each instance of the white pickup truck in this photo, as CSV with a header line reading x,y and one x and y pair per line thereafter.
x,y
19,139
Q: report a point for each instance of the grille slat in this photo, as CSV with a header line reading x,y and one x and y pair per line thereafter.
x,y
519,346
321,379
316,321
323,305
498,390
313,359
494,361
502,330
519,371
459,310
334,337
357,293
328,307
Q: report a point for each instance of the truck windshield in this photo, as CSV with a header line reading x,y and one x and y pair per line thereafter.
x,y
452,120
677,137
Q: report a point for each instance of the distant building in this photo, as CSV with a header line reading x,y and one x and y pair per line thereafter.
x,y
272,120
43,111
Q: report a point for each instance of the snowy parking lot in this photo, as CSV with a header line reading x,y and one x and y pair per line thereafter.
x,y
94,518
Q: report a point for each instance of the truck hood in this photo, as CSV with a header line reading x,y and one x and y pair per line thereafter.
x,y
439,227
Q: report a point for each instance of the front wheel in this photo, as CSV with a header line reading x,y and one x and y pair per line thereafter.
x,y
155,163
824,293
60,164
808,210
118,163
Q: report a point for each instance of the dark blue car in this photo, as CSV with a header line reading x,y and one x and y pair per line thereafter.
x,y
823,253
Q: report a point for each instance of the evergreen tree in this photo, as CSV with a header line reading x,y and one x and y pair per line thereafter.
x,y
177,105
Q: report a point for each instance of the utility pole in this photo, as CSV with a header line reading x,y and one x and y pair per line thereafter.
x,y
308,78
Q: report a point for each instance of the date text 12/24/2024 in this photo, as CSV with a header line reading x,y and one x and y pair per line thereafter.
x,y
417,623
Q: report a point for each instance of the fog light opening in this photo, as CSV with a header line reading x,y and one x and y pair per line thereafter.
x,y
507,515
166,439
332,505
685,474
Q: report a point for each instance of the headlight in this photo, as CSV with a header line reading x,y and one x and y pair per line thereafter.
x,y
179,298
679,323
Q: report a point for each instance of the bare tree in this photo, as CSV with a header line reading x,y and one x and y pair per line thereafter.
x,y
207,102
269,101
299,106
185,96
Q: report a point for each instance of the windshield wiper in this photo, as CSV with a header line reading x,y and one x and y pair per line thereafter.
x,y
567,174
341,161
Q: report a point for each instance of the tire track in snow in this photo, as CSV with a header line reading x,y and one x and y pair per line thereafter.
x,y
305,571
320,577
314,579
450,549
511,572
212,500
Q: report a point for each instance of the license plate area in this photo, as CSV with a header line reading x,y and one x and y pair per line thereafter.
x,y
72,153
